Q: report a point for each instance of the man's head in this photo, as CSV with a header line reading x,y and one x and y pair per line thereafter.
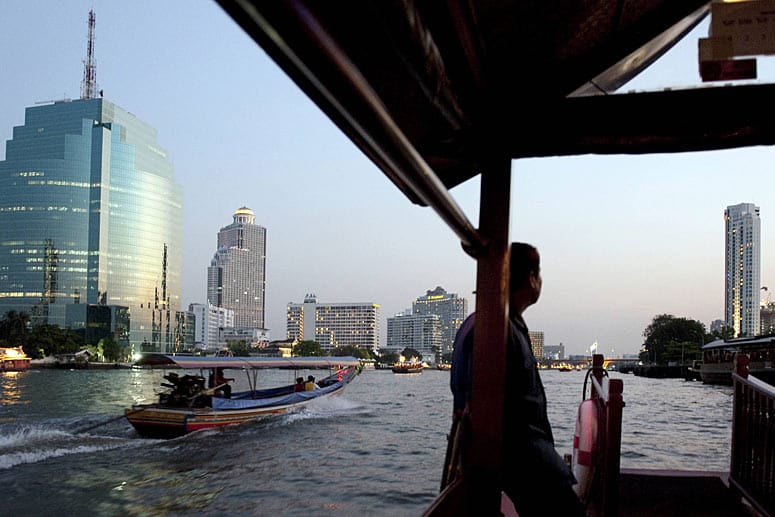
x,y
525,276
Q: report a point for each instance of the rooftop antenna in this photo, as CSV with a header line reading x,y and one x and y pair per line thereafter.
x,y
89,83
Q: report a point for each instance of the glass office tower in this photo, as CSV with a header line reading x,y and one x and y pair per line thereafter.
x,y
90,213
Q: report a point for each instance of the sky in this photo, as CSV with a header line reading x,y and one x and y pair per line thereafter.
x,y
622,239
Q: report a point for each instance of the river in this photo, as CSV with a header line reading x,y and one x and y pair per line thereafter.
x,y
376,450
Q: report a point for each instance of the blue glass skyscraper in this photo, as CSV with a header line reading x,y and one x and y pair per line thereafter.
x,y
90,213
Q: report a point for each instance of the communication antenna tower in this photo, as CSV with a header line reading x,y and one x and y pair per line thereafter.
x,y
89,83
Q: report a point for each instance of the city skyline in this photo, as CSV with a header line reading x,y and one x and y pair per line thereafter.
x,y
622,239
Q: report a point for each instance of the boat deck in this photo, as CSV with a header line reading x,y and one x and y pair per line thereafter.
x,y
682,493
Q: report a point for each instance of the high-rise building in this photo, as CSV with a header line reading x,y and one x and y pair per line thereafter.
x,y
90,213
451,309
212,325
536,342
422,332
555,352
236,278
742,268
332,325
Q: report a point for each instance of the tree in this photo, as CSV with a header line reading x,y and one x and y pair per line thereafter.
x,y
410,353
53,340
387,357
307,348
352,350
110,349
238,347
670,339
14,331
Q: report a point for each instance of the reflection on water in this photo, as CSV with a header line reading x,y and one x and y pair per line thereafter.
x,y
377,450
11,388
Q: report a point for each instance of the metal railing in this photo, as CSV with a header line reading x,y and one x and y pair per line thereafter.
x,y
752,469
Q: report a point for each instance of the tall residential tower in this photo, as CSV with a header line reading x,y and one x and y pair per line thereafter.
x,y
742,268
236,278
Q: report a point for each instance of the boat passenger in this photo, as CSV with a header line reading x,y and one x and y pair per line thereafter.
x,y
220,383
535,477
299,386
311,384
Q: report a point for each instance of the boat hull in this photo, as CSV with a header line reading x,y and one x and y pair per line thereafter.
x,y
407,370
153,421
170,418
15,365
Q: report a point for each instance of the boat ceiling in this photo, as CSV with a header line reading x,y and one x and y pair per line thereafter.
x,y
188,362
429,90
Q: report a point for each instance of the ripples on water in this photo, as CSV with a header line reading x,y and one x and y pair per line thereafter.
x,y
376,450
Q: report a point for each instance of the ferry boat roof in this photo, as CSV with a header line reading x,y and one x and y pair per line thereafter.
x,y
747,342
430,90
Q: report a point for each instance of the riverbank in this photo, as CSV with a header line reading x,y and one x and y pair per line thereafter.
x,y
77,365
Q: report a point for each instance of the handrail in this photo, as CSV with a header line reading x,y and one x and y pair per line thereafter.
x,y
605,501
752,462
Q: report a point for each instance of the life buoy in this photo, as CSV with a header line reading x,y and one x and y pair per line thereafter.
x,y
585,444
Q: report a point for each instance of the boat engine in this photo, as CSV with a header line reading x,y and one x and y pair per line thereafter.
x,y
184,389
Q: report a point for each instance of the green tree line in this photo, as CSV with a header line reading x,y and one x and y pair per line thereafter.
x,y
670,339
43,340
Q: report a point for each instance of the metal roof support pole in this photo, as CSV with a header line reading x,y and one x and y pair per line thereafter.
x,y
485,463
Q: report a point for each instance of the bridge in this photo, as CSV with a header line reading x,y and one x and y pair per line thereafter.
x,y
612,363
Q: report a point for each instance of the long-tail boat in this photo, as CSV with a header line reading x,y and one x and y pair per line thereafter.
x,y
189,404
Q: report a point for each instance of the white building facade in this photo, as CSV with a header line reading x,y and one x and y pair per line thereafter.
x,y
334,324
213,325
743,268
236,278
449,307
422,332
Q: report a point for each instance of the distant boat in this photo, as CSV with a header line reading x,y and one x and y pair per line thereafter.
x,y
565,369
443,366
14,359
407,367
189,407
718,358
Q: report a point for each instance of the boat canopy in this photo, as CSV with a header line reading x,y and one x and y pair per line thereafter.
x,y
746,342
243,363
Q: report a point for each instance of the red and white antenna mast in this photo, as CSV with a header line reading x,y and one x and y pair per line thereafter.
x,y
89,83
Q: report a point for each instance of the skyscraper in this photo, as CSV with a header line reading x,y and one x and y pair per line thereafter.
x,y
450,308
90,213
236,278
742,268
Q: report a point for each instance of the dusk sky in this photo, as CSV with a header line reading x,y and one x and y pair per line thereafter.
x,y
622,238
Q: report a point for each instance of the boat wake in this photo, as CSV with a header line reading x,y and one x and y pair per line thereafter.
x,y
32,444
328,408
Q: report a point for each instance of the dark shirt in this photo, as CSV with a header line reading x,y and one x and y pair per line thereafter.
x,y
536,478
524,397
